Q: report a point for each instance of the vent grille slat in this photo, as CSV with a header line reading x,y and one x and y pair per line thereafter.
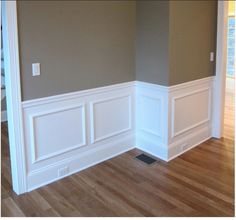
x,y
146,159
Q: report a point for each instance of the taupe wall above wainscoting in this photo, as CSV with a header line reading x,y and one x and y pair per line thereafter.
x,y
88,44
79,44
152,44
174,40
192,38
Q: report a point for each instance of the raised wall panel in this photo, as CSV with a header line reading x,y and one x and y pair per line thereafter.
x,y
110,117
150,114
190,110
57,131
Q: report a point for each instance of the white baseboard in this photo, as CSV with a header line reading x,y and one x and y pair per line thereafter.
x,y
152,147
67,133
103,152
188,142
3,116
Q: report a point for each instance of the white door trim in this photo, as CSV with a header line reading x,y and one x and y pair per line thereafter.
x,y
219,84
13,93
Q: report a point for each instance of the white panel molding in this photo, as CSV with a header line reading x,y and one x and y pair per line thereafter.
x,y
33,146
95,139
77,94
190,84
148,130
151,86
44,167
173,101
170,143
3,116
156,93
125,131
152,119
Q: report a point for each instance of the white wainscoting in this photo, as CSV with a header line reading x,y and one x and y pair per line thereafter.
x,y
172,120
55,123
190,115
67,133
190,110
109,119
152,118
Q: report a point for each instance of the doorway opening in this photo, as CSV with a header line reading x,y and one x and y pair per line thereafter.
x,y
230,74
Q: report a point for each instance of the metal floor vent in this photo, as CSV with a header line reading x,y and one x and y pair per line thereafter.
x,y
146,159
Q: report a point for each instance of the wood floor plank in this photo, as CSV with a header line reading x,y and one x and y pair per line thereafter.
x,y
10,209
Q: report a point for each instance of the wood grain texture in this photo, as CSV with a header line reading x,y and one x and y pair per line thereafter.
x,y
197,183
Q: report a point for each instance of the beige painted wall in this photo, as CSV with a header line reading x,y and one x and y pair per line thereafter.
x,y
174,40
152,44
88,44
192,38
80,45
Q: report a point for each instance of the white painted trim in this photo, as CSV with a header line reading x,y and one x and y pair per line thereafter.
x,y
13,93
32,130
151,86
92,132
173,133
175,87
3,116
75,95
41,171
155,92
184,151
43,168
170,142
95,156
191,83
162,113
219,83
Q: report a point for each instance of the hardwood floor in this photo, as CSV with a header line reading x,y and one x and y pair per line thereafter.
x,y
198,183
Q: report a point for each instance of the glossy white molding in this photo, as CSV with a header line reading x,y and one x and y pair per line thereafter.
x,y
152,119
33,132
77,130
114,120
107,121
13,93
204,120
195,128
